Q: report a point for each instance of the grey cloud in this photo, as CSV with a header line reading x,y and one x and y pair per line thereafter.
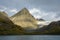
x,y
46,6
57,15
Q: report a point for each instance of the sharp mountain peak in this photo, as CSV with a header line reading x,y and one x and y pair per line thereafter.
x,y
25,9
24,19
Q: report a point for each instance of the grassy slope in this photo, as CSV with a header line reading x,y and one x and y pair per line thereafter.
x,y
8,27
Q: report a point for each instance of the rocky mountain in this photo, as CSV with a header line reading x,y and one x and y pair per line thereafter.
x,y
4,18
52,29
24,19
40,19
7,26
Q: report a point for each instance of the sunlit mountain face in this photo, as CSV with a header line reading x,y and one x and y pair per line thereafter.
x,y
27,21
24,19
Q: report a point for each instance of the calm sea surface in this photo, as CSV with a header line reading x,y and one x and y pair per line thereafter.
x,y
30,37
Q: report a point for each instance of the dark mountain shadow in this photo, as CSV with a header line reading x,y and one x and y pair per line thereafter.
x,y
10,29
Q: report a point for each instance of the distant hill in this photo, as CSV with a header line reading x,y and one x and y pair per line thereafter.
x,y
40,19
52,29
24,19
4,18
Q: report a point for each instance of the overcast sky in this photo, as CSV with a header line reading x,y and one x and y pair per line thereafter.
x,y
46,9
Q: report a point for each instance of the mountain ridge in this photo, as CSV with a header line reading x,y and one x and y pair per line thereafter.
x,y
8,26
24,19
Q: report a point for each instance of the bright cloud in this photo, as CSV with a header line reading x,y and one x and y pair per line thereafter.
x,y
9,11
2,8
37,13
13,10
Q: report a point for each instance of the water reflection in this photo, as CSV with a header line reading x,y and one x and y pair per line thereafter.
x,y
30,37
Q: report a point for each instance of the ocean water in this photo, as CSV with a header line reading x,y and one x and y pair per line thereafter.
x,y
30,37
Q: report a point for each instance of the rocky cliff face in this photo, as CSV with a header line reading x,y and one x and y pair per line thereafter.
x,y
24,19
